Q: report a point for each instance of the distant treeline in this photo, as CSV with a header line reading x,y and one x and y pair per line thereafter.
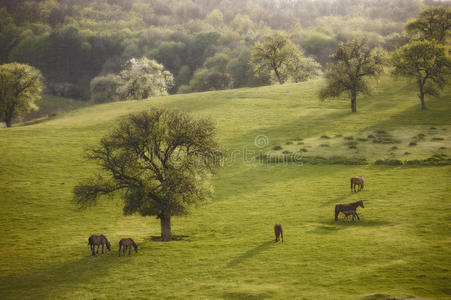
x,y
74,41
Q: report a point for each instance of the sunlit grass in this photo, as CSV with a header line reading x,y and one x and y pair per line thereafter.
x,y
400,247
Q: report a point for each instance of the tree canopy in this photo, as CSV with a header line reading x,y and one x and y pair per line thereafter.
x,y
427,62
353,62
159,159
432,24
20,87
277,52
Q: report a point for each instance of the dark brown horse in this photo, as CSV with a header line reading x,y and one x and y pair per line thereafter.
x,y
127,243
278,231
347,207
357,181
97,240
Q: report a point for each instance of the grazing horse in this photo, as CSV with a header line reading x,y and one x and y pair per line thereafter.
x,y
347,207
357,181
97,240
278,231
127,243
348,213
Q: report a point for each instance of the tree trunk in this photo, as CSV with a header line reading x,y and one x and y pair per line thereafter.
x,y
8,122
353,101
278,75
165,222
423,104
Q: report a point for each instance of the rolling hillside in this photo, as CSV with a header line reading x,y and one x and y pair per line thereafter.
x,y
399,248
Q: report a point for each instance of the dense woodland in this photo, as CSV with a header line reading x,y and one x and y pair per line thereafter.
x,y
201,42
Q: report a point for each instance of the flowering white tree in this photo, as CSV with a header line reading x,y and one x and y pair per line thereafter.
x,y
143,78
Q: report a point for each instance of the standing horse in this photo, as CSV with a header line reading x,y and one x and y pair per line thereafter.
x,y
347,207
97,240
278,231
127,243
357,181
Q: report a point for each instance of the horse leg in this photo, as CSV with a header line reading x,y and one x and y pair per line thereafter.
x,y
98,249
124,249
102,249
357,215
92,250
129,250
120,246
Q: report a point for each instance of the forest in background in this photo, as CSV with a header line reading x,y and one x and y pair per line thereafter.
x,y
198,41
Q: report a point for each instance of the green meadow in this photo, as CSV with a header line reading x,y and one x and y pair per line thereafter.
x,y
401,247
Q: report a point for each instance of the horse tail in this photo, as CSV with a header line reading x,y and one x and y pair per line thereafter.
x,y
90,240
337,211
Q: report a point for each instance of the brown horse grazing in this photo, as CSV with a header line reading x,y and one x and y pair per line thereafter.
x,y
347,207
348,213
127,243
278,231
97,240
357,181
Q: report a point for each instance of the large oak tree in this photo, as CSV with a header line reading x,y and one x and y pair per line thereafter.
x,y
160,160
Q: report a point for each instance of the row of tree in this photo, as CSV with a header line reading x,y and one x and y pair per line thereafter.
x,y
206,45
425,59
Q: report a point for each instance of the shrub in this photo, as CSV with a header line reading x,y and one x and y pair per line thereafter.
x,y
432,128
370,136
362,140
277,148
286,152
298,139
442,148
334,160
303,150
394,148
103,88
406,153
300,143
338,135
352,143
411,144
288,143
348,137
325,137
324,145
437,139
390,162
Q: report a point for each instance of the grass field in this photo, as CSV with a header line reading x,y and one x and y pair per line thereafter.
x,y
401,247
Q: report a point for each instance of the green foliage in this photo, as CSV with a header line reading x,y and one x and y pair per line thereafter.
x,y
276,53
432,24
20,87
354,61
304,69
427,62
103,88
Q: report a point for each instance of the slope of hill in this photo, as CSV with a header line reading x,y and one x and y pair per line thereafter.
x,y
400,247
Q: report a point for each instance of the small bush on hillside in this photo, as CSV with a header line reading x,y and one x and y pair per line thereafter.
x,y
370,136
433,128
338,135
286,152
390,162
324,145
288,143
394,148
103,88
325,137
348,137
352,143
406,153
300,143
362,140
303,150
442,148
277,148
437,139
411,144
298,139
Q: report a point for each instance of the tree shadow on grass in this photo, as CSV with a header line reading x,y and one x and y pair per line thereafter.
x,y
249,254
